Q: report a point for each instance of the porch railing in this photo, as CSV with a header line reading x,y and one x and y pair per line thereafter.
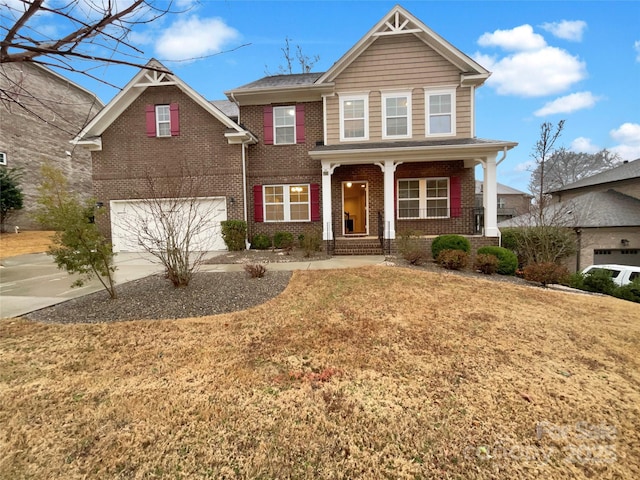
x,y
441,221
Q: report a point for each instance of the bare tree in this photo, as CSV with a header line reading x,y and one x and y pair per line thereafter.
x,y
564,167
305,62
173,222
542,150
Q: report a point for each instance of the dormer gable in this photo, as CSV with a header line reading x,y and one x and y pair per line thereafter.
x,y
154,75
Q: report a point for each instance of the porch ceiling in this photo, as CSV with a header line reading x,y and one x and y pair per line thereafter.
x,y
415,151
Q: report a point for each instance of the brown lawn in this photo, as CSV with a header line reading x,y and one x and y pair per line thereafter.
x,y
12,244
370,373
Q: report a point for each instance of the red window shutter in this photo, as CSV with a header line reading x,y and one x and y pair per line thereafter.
x,y
455,196
315,202
151,120
258,211
300,123
174,112
268,125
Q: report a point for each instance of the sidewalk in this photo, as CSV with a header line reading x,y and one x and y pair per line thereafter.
x,y
31,282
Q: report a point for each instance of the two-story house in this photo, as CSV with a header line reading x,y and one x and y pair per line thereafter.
x,y
40,111
381,143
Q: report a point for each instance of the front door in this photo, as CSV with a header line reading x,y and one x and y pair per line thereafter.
x,y
355,208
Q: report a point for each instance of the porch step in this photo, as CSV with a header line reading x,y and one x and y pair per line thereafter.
x,y
358,246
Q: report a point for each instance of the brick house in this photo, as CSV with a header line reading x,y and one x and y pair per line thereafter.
x,y
55,110
381,143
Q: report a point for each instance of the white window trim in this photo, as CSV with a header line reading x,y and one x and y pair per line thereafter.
x,y
286,202
422,207
3,158
345,98
385,95
275,136
427,96
158,122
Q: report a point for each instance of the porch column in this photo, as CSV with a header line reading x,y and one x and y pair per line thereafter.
x,y
490,197
389,168
327,221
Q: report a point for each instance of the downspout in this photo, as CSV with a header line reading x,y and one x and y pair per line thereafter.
x,y
578,231
504,156
244,190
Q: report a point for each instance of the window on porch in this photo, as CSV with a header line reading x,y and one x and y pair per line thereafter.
x,y
423,198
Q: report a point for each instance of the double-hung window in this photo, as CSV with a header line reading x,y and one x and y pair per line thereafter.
x,y
354,117
423,198
396,115
163,121
286,203
440,112
284,125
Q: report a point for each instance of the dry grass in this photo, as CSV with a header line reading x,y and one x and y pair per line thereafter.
x,y
368,373
12,244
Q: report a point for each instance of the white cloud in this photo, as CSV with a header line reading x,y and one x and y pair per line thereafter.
x,y
568,104
520,38
584,145
526,166
628,134
636,47
547,71
194,37
566,29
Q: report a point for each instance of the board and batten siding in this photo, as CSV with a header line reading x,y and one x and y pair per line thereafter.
x,y
401,63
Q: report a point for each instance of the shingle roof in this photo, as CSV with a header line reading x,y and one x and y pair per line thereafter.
x,y
502,189
594,209
410,143
274,81
624,171
230,109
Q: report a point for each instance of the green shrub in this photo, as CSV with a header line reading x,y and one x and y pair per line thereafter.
x,y
599,281
261,241
283,240
545,273
410,247
234,233
486,263
575,280
453,259
449,242
507,260
310,241
629,292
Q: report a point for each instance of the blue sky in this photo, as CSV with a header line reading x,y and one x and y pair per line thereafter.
x,y
578,60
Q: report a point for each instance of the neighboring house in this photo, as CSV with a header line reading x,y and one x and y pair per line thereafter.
x,y
51,111
511,202
606,208
604,211
381,143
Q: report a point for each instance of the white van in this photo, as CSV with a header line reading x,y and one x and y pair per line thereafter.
x,y
620,274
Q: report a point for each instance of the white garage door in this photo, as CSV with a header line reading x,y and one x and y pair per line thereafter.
x,y
152,223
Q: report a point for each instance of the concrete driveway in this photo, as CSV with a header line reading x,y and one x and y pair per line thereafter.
x,y
31,282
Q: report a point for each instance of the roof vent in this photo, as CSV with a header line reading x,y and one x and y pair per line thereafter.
x,y
625,161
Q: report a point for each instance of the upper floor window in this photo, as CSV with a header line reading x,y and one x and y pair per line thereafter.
x,y
354,117
440,112
163,120
396,115
3,158
284,125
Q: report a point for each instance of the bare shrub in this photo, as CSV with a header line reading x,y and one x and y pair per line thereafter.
x,y
545,273
255,270
453,259
486,263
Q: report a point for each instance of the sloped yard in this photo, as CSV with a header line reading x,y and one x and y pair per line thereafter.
x,y
370,373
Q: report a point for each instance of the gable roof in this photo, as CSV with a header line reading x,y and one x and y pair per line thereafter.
x,y
502,189
591,210
155,76
624,171
400,22
285,80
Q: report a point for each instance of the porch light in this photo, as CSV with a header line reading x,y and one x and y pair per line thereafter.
x,y
349,184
